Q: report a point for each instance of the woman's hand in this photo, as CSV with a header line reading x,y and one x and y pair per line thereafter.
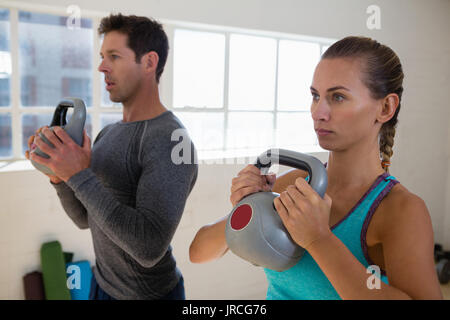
x,y
250,180
304,213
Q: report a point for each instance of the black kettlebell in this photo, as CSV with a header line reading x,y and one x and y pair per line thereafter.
x,y
74,128
254,230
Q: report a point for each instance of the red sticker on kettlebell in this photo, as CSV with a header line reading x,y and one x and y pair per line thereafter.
x,y
241,217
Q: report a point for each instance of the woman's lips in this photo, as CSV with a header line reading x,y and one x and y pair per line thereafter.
x,y
323,132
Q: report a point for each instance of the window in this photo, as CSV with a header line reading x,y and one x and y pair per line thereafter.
x,y
5,135
54,62
5,59
49,53
5,85
238,93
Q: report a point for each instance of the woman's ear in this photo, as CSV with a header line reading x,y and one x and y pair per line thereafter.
x,y
388,107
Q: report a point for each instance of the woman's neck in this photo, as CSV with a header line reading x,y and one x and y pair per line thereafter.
x,y
352,169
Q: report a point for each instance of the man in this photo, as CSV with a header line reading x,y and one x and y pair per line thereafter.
x,y
128,190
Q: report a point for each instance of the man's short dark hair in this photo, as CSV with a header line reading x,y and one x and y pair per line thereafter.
x,y
144,35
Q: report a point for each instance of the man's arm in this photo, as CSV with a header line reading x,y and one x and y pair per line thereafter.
x,y
145,231
71,205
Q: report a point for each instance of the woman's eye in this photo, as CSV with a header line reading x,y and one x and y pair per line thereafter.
x,y
337,97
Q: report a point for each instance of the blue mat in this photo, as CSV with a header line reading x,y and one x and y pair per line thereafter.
x,y
79,275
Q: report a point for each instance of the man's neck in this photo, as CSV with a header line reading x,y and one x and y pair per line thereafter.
x,y
143,106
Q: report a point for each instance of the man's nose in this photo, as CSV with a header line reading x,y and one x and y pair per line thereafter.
x,y
103,67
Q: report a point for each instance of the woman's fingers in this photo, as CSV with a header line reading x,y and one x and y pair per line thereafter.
x,y
241,193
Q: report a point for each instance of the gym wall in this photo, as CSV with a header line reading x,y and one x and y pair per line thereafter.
x,y
417,30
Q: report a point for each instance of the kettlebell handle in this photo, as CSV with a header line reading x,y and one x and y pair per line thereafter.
x,y
79,112
316,170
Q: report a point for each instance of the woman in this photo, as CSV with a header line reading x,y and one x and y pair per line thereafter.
x,y
366,217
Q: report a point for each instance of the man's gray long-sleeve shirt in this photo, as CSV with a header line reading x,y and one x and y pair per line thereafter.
x,y
132,198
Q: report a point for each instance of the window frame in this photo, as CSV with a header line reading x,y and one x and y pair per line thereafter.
x,y
227,31
166,84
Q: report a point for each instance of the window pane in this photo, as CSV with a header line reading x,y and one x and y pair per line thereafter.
x,y
295,129
324,48
77,87
252,72
5,136
55,61
5,59
249,130
205,129
32,122
296,64
108,118
199,63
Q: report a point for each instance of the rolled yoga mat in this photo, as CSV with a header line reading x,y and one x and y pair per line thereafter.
x,y
79,275
54,272
33,286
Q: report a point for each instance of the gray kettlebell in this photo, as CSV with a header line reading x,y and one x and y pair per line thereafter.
x,y
74,128
254,230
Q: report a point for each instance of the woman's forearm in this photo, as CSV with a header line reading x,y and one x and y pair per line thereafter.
x,y
347,275
209,242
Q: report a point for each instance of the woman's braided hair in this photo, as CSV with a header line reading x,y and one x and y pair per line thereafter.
x,y
382,74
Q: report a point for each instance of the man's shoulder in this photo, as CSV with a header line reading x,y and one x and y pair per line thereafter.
x,y
164,135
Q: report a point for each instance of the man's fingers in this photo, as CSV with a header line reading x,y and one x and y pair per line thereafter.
x,y
43,145
86,141
41,160
30,141
50,135
63,135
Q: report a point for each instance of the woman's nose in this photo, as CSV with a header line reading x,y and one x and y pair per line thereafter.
x,y
320,111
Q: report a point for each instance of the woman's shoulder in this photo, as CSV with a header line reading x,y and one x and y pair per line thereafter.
x,y
401,197
401,209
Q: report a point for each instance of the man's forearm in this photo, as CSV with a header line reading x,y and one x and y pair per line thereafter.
x,y
71,205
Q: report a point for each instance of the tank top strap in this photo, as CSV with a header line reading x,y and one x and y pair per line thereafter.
x,y
386,186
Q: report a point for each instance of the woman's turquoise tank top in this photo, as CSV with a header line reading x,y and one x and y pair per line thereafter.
x,y
305,280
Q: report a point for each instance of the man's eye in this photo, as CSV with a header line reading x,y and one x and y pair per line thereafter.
x,y
315,96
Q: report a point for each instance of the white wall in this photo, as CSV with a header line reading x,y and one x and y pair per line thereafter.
x,y
417,30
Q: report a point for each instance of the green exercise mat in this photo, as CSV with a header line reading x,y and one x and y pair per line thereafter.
x,y
54,272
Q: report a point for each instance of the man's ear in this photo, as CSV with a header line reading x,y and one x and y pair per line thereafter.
x,y
389,105
149,62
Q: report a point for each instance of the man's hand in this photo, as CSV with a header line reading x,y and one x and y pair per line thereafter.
x,y
67,158
31,147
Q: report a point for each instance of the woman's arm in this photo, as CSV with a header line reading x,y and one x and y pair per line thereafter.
x,y
407,240
209,243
